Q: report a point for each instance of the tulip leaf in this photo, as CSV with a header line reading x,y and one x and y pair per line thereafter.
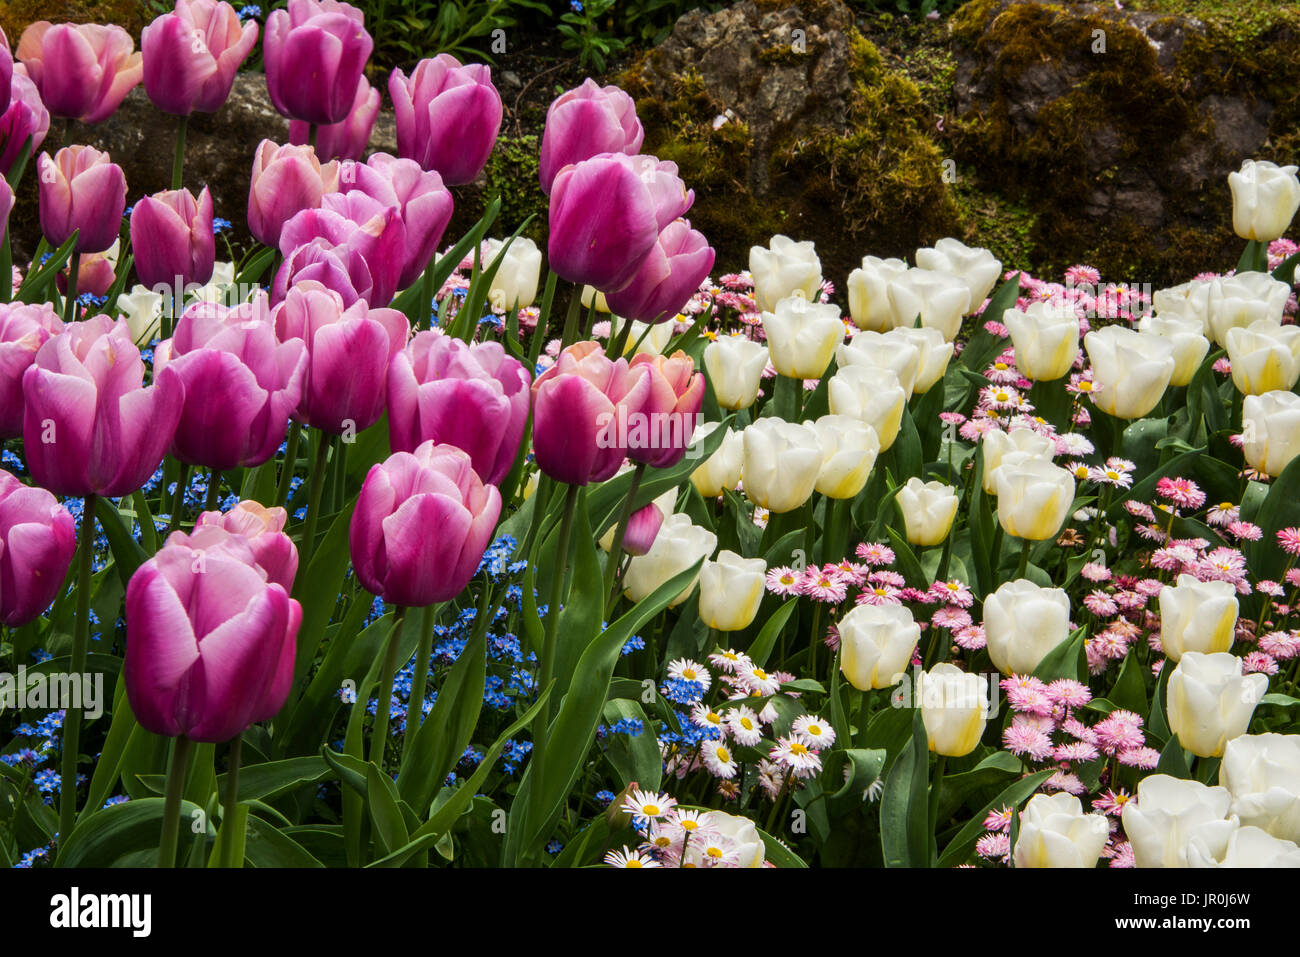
x,y
956,789
1157,723
255,268
1173,760
762,647
926,421
127,553
1280,509
1254,258
271,779
477,293
583,609
984,347
1144,491
317,587
1066,660
39,284
907,561
267,846
105,775
904,807
121,830
1138,443
234,828
906,449
865,766
1285,271
634,757
1130,691
385,815
778,853
960,847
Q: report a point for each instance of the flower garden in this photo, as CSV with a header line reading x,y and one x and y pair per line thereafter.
x,y
366,544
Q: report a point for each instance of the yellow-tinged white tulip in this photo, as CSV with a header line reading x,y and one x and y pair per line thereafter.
x,y
884,350
590,295
1270,431
1265,198
978,268
1054,832
869,303
515,284
849,449
644,338
143,309
1247,847
928,510
734,365
939,298
1186,333
1265,356
1190,300
743,834
935,351
1034,498
1197,616
1022,623
998,445
784,268
1262,772
721,470
1211,701
678,546
954,708
802,336
871,394
876,645
1243,298
1131,369
1045,337
1168,812
731,590
781,465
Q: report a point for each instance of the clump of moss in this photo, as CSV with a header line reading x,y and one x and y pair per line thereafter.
x,y
512,174
17,15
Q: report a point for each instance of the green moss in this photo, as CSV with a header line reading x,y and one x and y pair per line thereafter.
x,y
17,15
512,174
1004,227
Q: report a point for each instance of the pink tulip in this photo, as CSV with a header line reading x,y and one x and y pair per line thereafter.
x,y
25,118
584,122
81,188
315,53
472,397
348,138
348,352
241,383
286,179
83,70
192,54
577,406
172,238
424,204
340,269
606,215
23,330
670,410
421,525
210,643
263,529
642,529
95,276
353,223
448,116
669,276
37,541
89,424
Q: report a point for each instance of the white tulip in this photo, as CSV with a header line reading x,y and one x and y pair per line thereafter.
x,y
1045,338
590,295
1210,701
1262,771
1190,300
1265,356
935,351
1270,430
1197,616
939,298
1132,370
1247,847
143,310
954,708
722,469
1168,812
1244,298
928,510
731,589
884,351
735,367
782,462
1022,623
869,303
849,449
515,284
871,394
1034,498
743,834
997,445
802,336
785,268
978,268
677,547
876,645
1054,832
1186,333
644,338
1265,198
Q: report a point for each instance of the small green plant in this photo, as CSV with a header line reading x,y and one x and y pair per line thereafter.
x,y
583,33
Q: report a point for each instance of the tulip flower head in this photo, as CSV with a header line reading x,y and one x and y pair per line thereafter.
x,y
348,138
84,70
172,238
448,116
81,189
1265,198
25,118
192,54
37,541
285,180
23,330
582,122
315,52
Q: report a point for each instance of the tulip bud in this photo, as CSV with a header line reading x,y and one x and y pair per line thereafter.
x,y
25,118
954,708
592,297
172,238
586,121
802,336
1197,616
888,350
876,644
1131,369
348,138
37,541
262,529
1265,357
142,308
668,277
928,510
1034,498
515,284
1242,299
935,353
781,464
23,330
286,180
210,643
448,116
1186,334
81,189
1168,814
677,547
1211,701
939,299
721,470
421,524
869,303
474,397
731,590
191,56
1022,442
978,268
315,53
871,394
783,269
849,449
1054,832
735,367
1265,198
1263,773
642,529
1022,623
83,71
1270,426
1045,337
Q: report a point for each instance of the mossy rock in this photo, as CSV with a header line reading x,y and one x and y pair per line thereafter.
x,y
17,15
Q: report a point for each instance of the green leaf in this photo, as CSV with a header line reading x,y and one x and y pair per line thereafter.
x,y
907,562
127,553
275,778
1130,691
865,765
904,807
778,853
771,630
634,757
267,846
1064,661
385,815
959,848
117,831
317,588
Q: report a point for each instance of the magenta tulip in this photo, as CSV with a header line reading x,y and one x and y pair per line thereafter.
x,y
448,116
210,643
23,330
424,204
25,118
473,397
669,276
89,424
81,189
670,412
315,53
191,56
83,70
606,215
241,383
286,180
172,238
263,529
96,274
37,541
340,269
584,122
578,404
348,352
348,138
354,223
421,524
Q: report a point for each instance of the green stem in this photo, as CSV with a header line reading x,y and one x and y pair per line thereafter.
x,y
419,679
543,321
1023,566
80,642
214,491
426,297
939,764
180,765
231,805
178,160
616,550
178,498
290,459
314,498
312,131
570,335
6,269
384,708
70,304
